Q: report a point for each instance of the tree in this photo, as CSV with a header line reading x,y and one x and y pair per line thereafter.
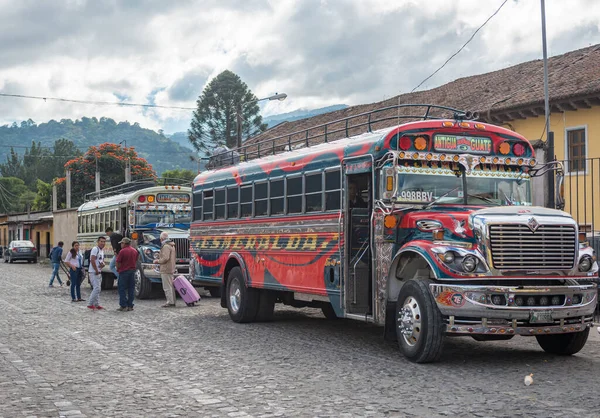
x,y
43,198
13,166
11,191
111,160
179,174
214,122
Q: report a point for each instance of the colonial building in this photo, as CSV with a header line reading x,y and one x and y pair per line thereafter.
x,y
33,226
512,97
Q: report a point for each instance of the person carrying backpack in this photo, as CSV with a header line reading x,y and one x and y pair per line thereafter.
x,y
56,258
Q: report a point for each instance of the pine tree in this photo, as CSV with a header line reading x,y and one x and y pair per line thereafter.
x,y
215,120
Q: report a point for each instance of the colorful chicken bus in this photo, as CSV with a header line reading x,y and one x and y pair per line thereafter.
x,y
426,228
139,210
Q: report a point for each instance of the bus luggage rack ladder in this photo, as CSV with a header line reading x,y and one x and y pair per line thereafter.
x,y
135,186
307,137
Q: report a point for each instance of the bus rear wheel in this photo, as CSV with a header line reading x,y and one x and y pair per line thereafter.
x,y
242,301
108,281
419,324
563,344
215,292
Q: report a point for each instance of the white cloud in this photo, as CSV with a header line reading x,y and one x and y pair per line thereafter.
x,y
318,52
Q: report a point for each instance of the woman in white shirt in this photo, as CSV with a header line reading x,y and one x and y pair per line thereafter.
x,y
75,262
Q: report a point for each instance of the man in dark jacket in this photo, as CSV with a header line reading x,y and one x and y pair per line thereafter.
x,y
115,243
56,258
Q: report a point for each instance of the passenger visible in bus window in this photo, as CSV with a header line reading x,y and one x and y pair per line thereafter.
x,y
355,200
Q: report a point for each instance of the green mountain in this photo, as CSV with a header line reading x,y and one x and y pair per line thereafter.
x,y
160,151
300,114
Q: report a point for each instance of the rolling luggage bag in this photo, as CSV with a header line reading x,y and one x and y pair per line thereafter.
x,y
185,289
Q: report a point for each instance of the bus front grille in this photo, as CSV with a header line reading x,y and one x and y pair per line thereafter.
x,y
182,247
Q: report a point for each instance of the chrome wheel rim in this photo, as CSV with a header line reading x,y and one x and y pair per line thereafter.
x,y
137,278
235,295
409,321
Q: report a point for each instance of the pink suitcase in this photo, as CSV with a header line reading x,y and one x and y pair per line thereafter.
x,y
185,289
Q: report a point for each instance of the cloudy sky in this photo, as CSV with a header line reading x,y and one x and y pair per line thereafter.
x,y
319,52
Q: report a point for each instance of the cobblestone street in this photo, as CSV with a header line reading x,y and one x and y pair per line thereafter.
x,y
57,358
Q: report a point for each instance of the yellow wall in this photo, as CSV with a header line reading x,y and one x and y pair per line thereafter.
x,y
43,229
582,191
3,231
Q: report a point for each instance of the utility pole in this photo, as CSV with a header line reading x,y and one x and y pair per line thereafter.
x,y
127,165
549,148
238,113
97,177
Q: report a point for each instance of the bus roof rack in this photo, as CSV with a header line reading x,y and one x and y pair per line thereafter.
x,y
337,129
135,186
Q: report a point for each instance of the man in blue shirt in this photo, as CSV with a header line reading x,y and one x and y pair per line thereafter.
x,y
56,258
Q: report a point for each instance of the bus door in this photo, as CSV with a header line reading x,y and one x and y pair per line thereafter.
x,y
358,206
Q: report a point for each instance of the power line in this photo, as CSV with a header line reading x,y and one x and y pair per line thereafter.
x,y
101,103
462,47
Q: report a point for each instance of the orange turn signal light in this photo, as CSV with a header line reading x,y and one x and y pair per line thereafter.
x,y
389,183
150,198
438,235
420,143
504,148
390,221
464,125
134,235
447,124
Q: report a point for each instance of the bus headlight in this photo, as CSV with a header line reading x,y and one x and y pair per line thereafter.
x,y
585,264
469,263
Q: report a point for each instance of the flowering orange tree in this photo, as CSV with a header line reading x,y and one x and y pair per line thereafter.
x,y
111,160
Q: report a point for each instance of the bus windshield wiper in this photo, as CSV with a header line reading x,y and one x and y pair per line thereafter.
x,y
433,202
485,199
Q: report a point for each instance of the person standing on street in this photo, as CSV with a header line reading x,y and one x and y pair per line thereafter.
x,y
75,262
115,240
56,258
167,268
126,266
95,270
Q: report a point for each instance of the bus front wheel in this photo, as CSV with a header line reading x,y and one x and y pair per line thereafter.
x,y
242,301
143,287
419,324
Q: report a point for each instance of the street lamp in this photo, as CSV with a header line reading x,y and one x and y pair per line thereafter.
x,y
276,96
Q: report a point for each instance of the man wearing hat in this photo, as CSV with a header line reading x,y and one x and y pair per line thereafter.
x,y
126,266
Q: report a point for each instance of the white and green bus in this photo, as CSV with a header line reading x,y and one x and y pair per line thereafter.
x,y
140,211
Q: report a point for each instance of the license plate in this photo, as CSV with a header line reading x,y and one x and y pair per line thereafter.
x,y
541,317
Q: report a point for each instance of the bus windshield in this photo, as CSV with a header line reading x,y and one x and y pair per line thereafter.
x,y
157,218
425,185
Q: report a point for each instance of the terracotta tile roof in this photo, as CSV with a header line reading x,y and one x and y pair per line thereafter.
x,y
514,92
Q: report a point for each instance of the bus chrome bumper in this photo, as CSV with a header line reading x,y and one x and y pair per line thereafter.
x,y
151,271
515,310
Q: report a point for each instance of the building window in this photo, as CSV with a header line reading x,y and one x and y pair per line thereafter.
x,y
576,152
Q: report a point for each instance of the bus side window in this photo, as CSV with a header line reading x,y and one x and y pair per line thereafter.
x,y
261,198
246,201
333,195
220,204
207,204
232,202
313,194
276,197
294,194
197,205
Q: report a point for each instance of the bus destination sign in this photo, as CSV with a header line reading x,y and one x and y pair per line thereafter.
x,y
172,198
470,144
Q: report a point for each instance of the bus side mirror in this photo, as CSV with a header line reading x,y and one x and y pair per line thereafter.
x,y
559,194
